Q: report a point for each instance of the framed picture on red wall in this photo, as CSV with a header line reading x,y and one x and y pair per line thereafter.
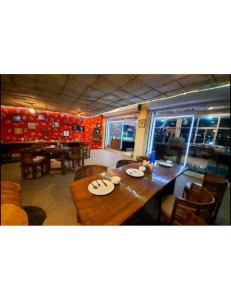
x,y
18,130
55,124
31,125
66,133
16,118
42,117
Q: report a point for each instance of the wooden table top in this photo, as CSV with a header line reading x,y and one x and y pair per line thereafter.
x,y
129,196
13,215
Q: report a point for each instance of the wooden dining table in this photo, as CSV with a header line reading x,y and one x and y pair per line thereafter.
x,y
127,198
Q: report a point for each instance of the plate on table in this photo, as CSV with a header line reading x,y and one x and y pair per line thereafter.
x,y
134,172
165,164
101,187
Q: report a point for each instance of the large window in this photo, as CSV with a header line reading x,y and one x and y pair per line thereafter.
x,y
205,143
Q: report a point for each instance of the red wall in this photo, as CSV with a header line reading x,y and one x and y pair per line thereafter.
x,y
8,125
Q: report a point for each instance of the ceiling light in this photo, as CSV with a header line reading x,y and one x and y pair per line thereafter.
x,y
31,110
210,108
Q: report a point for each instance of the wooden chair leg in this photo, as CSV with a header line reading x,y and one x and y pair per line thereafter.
x,y
34,172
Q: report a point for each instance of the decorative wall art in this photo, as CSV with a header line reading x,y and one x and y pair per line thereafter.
x,y
44,129
17,118
18,131
142,123
66,133
31,125
55,125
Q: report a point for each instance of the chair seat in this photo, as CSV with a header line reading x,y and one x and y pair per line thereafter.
x,y
38,160
167,207
11,186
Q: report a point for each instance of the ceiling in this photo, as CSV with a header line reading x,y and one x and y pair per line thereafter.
x,y
89,95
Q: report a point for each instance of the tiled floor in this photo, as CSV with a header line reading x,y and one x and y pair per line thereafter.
x,y
51,192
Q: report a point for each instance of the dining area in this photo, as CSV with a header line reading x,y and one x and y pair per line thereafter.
x,y
66,167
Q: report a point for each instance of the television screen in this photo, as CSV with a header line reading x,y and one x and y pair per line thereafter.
x,y
16,118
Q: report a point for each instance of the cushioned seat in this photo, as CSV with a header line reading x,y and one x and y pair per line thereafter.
x,y
38,159
167,207
11,197
9,185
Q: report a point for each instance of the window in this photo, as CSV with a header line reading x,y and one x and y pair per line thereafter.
x,y
209,136
223,137
208,122
224,122
200,136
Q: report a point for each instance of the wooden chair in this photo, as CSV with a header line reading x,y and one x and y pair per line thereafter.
x,y
90,170
28,161
86,151
142,158
199,201
76,158
216,185
124,162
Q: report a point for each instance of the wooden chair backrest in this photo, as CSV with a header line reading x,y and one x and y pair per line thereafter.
x,y
199,202
124,162
216,185
142,158
27,157
90,170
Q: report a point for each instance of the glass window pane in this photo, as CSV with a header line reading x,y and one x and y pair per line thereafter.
x,y
128,132
225,122
115,130
208,122
209,136
159,123
186,122
223,137
200,136
170,123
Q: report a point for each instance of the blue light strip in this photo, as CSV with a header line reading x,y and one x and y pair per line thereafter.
x,y
189,139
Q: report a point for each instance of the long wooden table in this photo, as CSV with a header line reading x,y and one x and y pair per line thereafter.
x,y
126,199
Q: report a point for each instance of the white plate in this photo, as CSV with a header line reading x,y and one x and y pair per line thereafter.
x,y
102,189
134,172
165,164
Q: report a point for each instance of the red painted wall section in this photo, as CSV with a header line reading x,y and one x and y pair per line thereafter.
x,y
64,120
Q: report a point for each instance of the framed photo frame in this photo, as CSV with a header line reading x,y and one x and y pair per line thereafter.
x,y
80,128
18,131
66,133
31,125
55,125
42,117
142,123
16,118
75,127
